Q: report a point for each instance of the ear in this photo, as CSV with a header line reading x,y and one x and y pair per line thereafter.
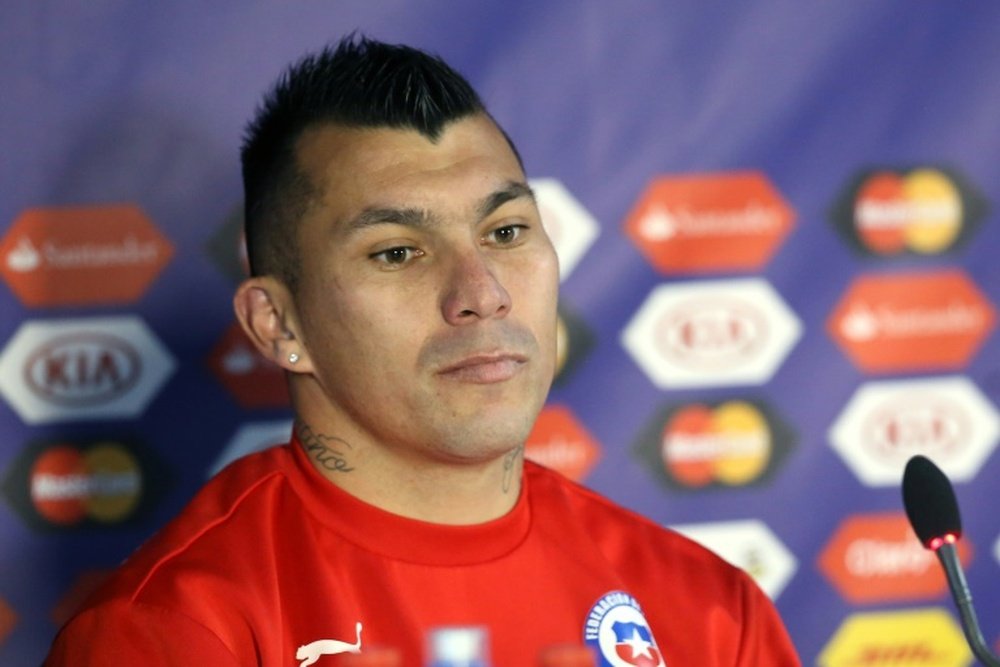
x,y
266,311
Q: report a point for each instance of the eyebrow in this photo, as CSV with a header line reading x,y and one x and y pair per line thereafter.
x,y
511,190
415,217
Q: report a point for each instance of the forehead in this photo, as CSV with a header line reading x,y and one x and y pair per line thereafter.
x,y
357,168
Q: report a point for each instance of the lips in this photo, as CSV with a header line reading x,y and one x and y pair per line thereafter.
x,y
484,368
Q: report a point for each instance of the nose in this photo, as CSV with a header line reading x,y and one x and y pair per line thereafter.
x,y
473,292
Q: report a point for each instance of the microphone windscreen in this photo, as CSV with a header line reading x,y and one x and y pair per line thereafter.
x,y
930,501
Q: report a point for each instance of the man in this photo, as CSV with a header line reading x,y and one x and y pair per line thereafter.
x,y
402,278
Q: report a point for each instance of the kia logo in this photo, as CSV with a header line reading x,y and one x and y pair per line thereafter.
x,y
712,333
82,369
903,430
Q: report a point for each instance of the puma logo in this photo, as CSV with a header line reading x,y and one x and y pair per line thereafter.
x,y
310,653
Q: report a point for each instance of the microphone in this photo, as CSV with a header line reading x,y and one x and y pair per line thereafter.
x,y
932,509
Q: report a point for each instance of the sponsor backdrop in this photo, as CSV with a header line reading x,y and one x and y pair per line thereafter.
x,y
778,229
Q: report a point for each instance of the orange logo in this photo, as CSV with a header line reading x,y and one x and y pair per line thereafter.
x,y
83,255
922,211
912,322
877,558
253,380
734,443
720,222
560,442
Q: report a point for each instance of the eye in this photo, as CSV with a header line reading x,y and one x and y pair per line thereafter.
x,y
506,235
397,256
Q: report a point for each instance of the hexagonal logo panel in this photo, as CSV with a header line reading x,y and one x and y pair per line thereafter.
x,y
250,377
570,226
892,212
912,322
876,558
711,446
709,223
67,484
559,441
898,639
750,545
82,255
885,423
83,369
711,333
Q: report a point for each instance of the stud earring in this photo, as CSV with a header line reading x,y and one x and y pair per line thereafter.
x,y
292,358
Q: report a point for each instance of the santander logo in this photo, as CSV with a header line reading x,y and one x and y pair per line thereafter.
x,y
701,223
82,255
912,322
24,258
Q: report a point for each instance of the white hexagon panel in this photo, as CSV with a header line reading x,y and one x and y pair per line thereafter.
x,y
83,369
947,419
570,226
711,333
750,545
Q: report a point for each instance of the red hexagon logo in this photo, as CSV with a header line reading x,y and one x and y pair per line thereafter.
x,y
912,322
560,442
83,255
876,558
726,222
253,380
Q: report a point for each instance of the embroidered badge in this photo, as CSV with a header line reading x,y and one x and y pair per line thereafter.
x,y
619,633
312,652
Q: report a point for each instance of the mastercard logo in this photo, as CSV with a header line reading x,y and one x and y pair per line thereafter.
x,y
922,211
731,444
69,484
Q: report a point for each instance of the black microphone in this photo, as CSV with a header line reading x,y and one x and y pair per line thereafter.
x,y
931,506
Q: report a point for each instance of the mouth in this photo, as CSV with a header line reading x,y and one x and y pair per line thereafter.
x,y
485,368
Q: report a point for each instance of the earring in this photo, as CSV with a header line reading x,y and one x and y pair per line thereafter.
x,y
292,358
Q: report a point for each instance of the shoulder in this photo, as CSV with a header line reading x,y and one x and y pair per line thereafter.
x,y
623,535
121,632
230,508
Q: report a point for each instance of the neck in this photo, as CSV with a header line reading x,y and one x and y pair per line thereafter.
x,y
456,492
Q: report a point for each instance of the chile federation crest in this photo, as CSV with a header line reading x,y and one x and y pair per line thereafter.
x,y
619,634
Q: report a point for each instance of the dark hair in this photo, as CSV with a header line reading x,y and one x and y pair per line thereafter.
x,y
359,82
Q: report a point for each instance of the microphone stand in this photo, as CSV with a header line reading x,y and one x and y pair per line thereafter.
x,y
963,599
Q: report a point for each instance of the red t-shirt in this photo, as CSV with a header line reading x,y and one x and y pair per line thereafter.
x,y
270,557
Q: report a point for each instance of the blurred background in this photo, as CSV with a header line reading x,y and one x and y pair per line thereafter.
x,y
777,228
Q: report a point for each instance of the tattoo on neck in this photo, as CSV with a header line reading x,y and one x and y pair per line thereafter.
x,y
508,467
327,450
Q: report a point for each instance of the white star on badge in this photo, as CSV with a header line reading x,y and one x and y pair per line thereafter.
x,y
639,646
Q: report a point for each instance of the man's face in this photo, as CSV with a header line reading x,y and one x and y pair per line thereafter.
x,y
427,302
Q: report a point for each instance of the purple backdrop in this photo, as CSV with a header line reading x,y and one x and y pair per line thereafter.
x,y
855,278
